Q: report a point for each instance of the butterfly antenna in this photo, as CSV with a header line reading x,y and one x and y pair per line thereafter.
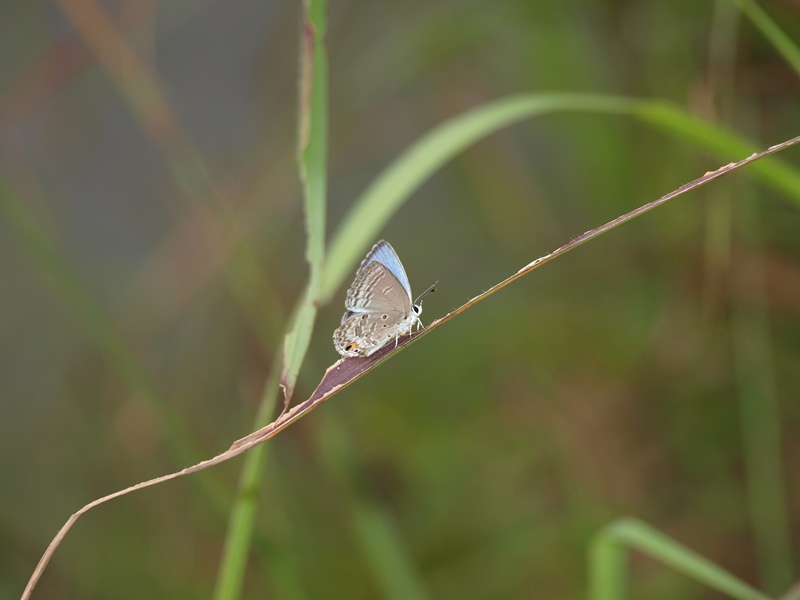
x,y
431,289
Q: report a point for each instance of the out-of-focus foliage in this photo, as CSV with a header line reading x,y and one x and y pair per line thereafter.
x,y
653,372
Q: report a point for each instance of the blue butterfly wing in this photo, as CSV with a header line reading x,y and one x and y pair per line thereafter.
x,y
383,253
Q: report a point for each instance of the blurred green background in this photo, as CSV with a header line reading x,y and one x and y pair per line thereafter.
x,y
151,249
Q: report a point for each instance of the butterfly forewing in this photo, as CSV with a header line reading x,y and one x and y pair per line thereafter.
x,y
383,253
375,288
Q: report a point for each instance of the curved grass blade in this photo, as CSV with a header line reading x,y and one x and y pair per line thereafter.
x,y
720,142
386,194
372,210
782,42
608,562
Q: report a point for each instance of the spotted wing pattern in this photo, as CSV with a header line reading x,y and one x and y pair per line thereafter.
x,y
362,334
378,311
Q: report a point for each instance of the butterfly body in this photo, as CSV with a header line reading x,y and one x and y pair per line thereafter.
x,y
379,305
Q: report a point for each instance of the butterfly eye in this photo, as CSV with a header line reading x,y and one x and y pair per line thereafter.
x,y
417,309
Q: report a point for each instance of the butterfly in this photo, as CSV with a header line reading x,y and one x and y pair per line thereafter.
x,y
379,305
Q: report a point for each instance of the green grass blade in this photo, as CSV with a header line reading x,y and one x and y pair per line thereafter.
x,y
241,524
719,142
372,210
312,160
607,562
297,340
782,42
313,130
